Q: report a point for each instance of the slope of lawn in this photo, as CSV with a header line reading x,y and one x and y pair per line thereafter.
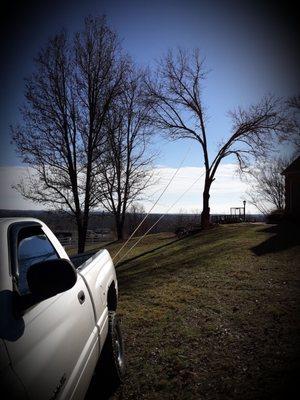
x,y
213,316
149,243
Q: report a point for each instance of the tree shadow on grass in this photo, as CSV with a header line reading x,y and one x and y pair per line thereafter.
x,y
206,237
284,236
146,253
139,274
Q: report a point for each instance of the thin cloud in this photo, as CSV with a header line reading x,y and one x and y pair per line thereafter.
x,y
227,190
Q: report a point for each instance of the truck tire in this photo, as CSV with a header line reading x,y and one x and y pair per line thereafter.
x,y
113,352
110,369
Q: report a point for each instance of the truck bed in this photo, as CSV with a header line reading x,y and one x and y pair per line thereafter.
x,y
81,259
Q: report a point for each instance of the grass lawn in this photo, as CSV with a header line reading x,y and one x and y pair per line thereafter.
x,y
212,316
149,243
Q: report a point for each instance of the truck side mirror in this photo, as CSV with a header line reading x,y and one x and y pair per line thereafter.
x,y
48,278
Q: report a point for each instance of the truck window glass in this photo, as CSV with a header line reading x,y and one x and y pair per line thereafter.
x,y
31,250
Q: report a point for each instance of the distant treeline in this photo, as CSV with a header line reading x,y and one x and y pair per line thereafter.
x,y
63,221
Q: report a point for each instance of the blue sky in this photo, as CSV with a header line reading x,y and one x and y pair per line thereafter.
x,y
250,49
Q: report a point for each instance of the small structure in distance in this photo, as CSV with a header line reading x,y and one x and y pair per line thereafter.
x,y
239,212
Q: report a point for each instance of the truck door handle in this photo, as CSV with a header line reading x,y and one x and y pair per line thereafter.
x,y
81,297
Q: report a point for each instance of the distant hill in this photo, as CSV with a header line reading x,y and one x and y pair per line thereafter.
x,y
62,220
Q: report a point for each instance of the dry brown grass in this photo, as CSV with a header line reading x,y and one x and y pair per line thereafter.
x,y
213,316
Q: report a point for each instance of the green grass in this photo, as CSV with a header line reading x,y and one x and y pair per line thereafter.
x,y
212,316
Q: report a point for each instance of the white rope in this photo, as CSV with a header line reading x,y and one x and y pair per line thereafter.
x,y
159,219
157,200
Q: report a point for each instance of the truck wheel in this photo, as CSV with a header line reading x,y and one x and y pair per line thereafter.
x,y
113,351
110,369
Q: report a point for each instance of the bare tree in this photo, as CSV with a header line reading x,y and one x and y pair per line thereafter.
x,y
266,184
125,172
175,94
291,134
68,98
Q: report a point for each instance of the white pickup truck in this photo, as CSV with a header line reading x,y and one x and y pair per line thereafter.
x,y
55,320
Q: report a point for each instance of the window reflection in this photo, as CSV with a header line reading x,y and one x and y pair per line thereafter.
x,y
32,250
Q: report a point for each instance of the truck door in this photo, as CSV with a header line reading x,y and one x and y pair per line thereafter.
x,y
56,353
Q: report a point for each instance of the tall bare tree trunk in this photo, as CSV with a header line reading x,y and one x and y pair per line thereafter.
x,y
81,233
81,240
120,228
205,215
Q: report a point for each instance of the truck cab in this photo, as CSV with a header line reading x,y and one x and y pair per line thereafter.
x,y
55,319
